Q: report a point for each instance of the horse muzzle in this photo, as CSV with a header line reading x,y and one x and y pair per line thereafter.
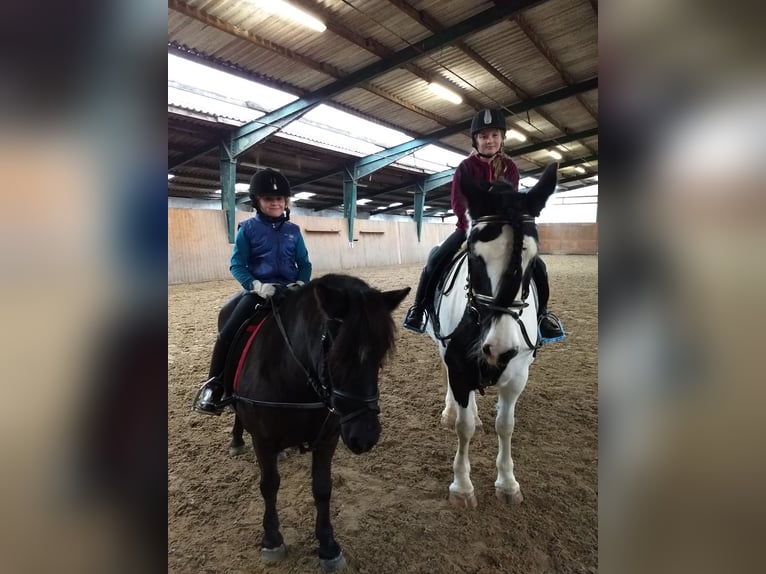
x,y
361,432
497,358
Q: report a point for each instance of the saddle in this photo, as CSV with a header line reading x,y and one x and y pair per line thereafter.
x,y
449,269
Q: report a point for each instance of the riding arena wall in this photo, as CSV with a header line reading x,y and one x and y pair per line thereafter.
x,y
199,250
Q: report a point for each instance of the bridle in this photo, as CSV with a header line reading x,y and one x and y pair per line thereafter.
x,y
479,305
319,378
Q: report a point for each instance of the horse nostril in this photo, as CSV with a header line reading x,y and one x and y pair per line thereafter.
x,y
487,350
506,357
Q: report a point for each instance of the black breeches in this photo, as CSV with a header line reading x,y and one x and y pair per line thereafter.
x,y
540,275
241,312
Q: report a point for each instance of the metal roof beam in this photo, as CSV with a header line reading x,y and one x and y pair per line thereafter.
x,y
556,141
250,134
512,153
390,155
446,176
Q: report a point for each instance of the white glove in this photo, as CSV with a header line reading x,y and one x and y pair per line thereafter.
x,y
264,290
296,285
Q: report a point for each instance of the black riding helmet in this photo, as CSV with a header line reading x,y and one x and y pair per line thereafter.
x,y
268,183
487,118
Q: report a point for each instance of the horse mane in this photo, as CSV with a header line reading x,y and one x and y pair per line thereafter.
x,y
362,313
346,307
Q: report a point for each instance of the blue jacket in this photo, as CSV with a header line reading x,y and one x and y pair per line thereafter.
x,y
271,252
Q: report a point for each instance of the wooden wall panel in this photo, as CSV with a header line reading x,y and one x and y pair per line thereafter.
x,y
199,250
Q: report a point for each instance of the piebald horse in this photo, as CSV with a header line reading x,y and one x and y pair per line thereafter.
x,y
485,321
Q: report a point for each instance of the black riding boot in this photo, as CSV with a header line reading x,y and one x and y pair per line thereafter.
x,y
415,319
213,397
551,329
210,399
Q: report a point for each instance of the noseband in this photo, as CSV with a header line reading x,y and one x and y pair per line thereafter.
x,y
478,303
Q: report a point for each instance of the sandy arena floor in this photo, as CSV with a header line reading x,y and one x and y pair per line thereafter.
x,y
390,509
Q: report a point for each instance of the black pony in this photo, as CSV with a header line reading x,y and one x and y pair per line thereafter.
x,y
310,376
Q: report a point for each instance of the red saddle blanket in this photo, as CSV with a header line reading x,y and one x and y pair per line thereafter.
x,y
241,345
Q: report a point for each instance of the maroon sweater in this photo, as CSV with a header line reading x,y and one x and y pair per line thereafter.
x,y
480,170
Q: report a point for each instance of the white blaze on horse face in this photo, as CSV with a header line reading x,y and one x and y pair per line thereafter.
x,y
496,254
504,333
529,251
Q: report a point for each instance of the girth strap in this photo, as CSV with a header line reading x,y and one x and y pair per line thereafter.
x,y
318,405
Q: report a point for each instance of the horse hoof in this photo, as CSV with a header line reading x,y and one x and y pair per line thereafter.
x,y
271,555
462,500
509,497
237,450
282,455
334,564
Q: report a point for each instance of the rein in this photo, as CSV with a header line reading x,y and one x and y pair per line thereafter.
x,y
321,383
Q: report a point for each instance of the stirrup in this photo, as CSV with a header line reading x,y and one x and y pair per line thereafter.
x,y
546,340
211,408
418,329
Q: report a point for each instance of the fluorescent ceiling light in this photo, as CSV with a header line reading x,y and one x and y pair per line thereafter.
x,y
528,181
363,201
395,204
554,154
302,195
517,135
443,92
579,169
241,187
281,8
562,147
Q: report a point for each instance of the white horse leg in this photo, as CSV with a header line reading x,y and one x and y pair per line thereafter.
x,y
461,490
475,409
449,414
507,487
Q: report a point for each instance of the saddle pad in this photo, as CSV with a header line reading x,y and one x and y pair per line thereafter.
x,y
241,344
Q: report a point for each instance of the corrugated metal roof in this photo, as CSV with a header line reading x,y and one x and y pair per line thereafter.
x,y
517,58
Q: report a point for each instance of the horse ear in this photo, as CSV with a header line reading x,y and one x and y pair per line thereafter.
x,y
542,190
391,299
331,301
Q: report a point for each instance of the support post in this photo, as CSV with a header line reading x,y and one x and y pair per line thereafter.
x,y
228,168
349,202
420,201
